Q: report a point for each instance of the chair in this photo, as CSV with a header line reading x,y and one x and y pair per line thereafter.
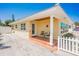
x,y
47,35
42,33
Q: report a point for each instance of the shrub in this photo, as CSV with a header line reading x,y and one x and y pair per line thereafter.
x,y
68,35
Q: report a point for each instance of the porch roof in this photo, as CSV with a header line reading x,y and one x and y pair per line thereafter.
x,y
56,11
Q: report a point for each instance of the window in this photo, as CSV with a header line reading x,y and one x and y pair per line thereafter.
x,y
23,26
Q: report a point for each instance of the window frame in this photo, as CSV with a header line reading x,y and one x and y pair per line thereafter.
x,y
23,26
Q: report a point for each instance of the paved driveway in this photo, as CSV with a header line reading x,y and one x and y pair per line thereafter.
x,y
14,45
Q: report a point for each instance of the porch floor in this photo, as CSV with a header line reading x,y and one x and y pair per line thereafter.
x,y
44,42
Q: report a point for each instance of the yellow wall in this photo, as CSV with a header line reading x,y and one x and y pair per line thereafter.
x,y
56,28
41,26
19,26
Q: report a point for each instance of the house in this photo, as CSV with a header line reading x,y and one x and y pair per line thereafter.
x,y
49,24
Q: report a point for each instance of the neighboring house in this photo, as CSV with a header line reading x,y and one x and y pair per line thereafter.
x,y
49,23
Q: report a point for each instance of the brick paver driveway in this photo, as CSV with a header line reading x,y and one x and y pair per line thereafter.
x,y
14,45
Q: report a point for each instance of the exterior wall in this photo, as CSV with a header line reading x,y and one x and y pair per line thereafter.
x,y
41,26
19,26
29,28
18,30
56,28
65,21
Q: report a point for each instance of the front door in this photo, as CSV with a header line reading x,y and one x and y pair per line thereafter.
x,y
33,29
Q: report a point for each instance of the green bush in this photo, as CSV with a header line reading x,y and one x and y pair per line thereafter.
x,y
68,35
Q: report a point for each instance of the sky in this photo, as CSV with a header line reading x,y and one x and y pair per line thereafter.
x,y
21,10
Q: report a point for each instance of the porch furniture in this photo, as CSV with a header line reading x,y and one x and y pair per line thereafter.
x,y
45,34
42,33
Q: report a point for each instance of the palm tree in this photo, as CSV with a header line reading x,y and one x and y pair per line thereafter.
x,y
13,18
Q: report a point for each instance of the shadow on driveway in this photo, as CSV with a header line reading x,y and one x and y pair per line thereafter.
x,y
2,46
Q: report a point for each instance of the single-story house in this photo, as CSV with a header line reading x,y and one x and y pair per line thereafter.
x,y
49,23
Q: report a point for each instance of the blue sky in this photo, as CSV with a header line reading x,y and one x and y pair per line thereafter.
x,y
24,10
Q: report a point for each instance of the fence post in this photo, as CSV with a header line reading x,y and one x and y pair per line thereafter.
x,y
69,43
77,45
72,44
63,42
66,43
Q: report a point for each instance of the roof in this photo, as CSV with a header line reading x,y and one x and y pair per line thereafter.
x,y
56,11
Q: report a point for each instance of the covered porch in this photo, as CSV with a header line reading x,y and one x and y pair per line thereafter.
x,y
45,31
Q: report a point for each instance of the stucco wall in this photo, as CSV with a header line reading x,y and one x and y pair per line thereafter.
x,y
19,26
56,28
41,26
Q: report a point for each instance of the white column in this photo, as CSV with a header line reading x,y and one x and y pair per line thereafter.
x,y
51,30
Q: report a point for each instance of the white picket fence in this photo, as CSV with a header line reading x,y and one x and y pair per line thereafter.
x,y
70,45
5,29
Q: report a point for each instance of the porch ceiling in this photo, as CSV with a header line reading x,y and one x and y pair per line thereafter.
x,y
42,19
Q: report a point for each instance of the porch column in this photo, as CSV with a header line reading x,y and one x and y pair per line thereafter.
x,y
51,30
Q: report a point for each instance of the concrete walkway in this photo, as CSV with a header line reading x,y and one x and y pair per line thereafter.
x,y
15,45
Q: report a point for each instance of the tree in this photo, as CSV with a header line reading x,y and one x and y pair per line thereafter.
x,y
10,20
7,22
1,23
13,18
69,35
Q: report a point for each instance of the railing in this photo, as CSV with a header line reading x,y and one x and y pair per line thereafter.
x,y
68,44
